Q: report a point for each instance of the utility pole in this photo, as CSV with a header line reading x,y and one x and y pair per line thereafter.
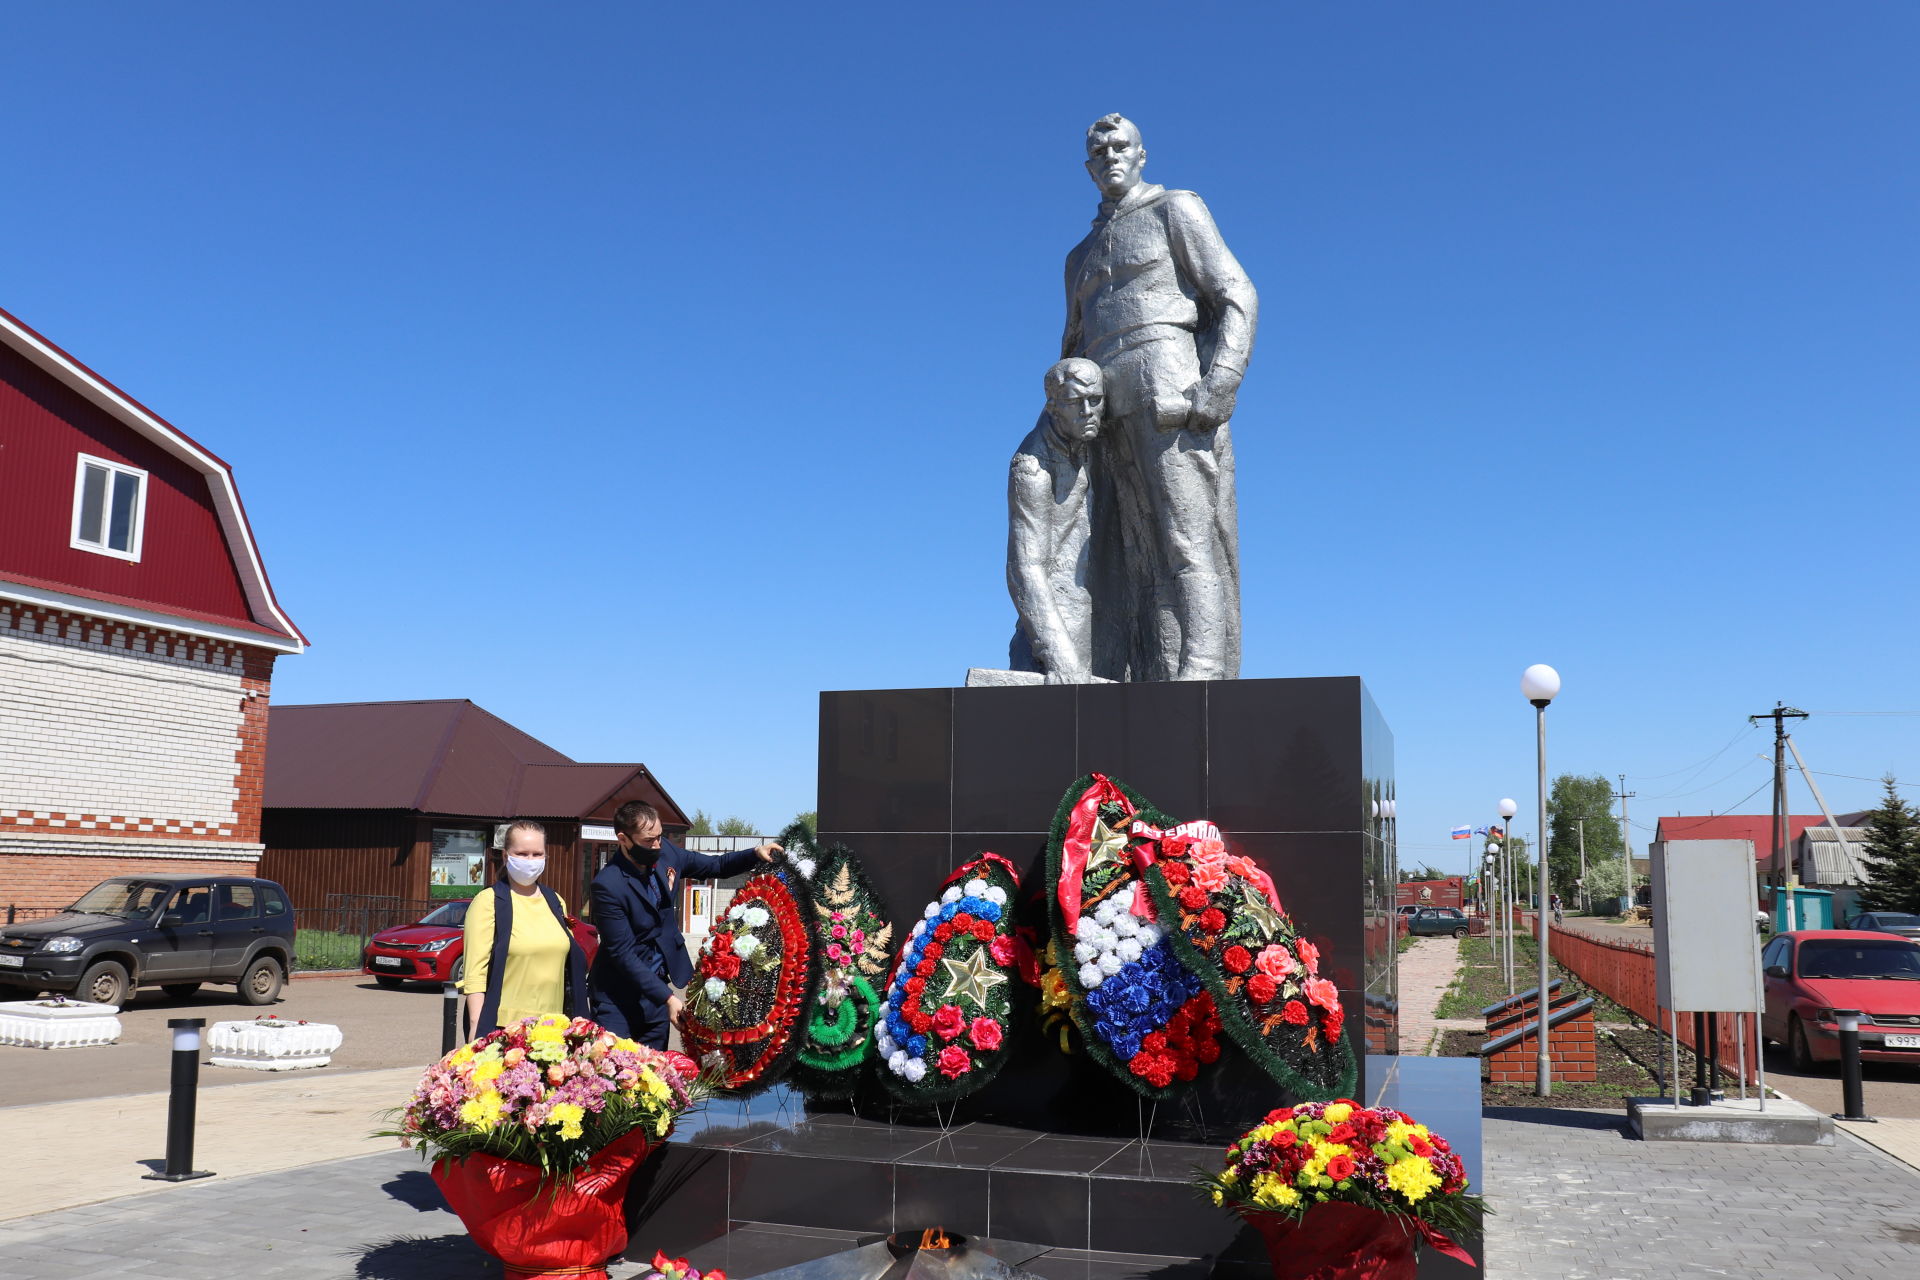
x,y
1626,843
1781,713
1582,886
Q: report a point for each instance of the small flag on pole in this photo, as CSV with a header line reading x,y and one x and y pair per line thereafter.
x,y
1463,833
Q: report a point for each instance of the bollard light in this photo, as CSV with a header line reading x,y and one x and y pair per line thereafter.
x,y
449,1018
1854,1106
181,1100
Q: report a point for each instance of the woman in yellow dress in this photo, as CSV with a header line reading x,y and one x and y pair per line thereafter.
x,y
535,966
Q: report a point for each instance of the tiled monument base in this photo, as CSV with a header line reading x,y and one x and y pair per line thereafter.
x,y
1298,774
766,1171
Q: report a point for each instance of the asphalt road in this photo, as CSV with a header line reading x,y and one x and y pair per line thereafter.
x,y
382,1029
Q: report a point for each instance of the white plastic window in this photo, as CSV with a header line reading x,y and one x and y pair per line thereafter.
x,y
109,507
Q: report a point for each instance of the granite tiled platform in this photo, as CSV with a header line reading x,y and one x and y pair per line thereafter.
x,y
769,1168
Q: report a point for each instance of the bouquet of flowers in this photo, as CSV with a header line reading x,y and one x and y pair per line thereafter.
x,y
535,1129
665,1268
1143,1013
754,982
547,1092
853,939
1226,923
1338,1189
945,1029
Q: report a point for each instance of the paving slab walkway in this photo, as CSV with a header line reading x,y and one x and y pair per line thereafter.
x,y
100,1148
1578,1198
1427,969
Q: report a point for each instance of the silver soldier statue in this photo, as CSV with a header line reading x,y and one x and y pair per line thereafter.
x,y
1155,298
1049,519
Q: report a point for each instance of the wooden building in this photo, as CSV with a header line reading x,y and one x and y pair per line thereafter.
x,y
406,800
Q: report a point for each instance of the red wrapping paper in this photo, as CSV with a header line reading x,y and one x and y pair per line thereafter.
x,y
550,1230
1340,1241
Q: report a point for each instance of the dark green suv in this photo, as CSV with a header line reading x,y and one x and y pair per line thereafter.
x,y
174,932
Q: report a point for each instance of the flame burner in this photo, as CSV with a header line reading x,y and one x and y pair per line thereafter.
x,y
902,1243
933,1253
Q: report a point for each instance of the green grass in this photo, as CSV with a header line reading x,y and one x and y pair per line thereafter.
x,y
1404,943
1479,982
318,949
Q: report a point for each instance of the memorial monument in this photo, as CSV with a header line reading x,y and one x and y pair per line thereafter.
x,y
1159,304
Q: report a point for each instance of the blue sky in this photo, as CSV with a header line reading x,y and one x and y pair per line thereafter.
x,y
639,374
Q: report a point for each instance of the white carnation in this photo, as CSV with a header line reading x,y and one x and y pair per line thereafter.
x,y
919,927
996,895
1090,976
976,887
896,1059
885,1042
952,894
1129,949
1104,912
757,916
736,911
1087,930
1148,936
1085,952
913,1069
805,866
1110,963
1125,926
744,945
715,988
933,909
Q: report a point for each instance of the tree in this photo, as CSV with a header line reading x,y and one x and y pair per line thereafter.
x,y
810,819
1605,879
1892,855
702,825
1576,798
734,826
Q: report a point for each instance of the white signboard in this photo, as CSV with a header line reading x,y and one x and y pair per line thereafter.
x,y
1706,948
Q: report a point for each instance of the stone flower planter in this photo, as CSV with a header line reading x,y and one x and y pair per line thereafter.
x,y
272,1044
58,1024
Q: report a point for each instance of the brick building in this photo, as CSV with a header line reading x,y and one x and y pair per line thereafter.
x,y
138,633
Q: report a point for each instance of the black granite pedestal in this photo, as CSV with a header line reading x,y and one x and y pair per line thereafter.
x,y
755,1186
1298,775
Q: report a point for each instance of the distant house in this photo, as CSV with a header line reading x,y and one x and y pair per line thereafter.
x,y
405,800
1757,827
1823,862
138,633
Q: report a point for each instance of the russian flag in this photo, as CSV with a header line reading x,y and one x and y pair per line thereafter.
x,y
1463,833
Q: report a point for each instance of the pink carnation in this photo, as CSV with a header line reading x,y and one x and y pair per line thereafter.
x,y
1274,961
985,1033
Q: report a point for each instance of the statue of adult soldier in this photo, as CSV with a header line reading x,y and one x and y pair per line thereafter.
x,y
1049,524
1155,298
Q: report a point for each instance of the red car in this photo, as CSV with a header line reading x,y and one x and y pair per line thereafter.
x,y
430,950
1811,972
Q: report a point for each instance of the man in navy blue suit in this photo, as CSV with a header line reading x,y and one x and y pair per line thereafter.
x,y
636,907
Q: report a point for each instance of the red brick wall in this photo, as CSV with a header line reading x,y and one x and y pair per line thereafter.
x,y
33,881
1569,1045
1624,973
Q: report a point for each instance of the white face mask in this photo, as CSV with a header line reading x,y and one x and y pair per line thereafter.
x,y
525,870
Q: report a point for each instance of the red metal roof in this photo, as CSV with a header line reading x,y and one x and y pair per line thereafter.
x,y
448,757
198,567
1757,827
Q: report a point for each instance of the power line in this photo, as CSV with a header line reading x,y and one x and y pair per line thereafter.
x,y
1862,713
1747,764
1655,777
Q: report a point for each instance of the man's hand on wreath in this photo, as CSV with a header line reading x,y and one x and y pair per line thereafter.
x,y
675,1007
766,851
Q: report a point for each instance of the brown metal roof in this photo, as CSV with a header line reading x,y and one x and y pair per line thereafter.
x,y
447,757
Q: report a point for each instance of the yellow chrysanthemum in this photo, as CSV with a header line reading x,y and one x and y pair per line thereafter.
x,y
1338,1112
482,1111
1326,1151
625,1045
461,1057
567,1116
487,1072
1413,1178
1270,1192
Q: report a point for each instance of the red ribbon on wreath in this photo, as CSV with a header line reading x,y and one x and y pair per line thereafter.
x,y
1077,847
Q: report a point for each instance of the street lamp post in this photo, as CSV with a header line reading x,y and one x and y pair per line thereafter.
x,y
1507,809
1540,684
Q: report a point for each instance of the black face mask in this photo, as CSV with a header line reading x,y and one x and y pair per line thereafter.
x,y
642,857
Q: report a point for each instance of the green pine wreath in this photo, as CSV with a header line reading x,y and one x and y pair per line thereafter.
x,y
854,943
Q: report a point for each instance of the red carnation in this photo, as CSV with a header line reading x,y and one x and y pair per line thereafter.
x,y
1155,1068
1420,1145
1193,897
1237,959
1295,1012
933,952
916,985
983,930
985,1034
949,1022
924,969
1153,1042
1334,1021
1002,950
1262,988
954,1062
1213,920
1174,846
919,1021
1175,872
1207,1050
1186,1069
963,921
1340,1168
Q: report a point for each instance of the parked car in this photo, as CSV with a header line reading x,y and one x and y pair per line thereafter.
x,y
1811,972
174,932
1435,922
1900,922
432,948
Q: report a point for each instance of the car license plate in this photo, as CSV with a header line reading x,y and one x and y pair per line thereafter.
x,y
387,962
1903,1042
13,962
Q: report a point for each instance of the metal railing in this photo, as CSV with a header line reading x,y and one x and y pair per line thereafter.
x,y
335,936
17,912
